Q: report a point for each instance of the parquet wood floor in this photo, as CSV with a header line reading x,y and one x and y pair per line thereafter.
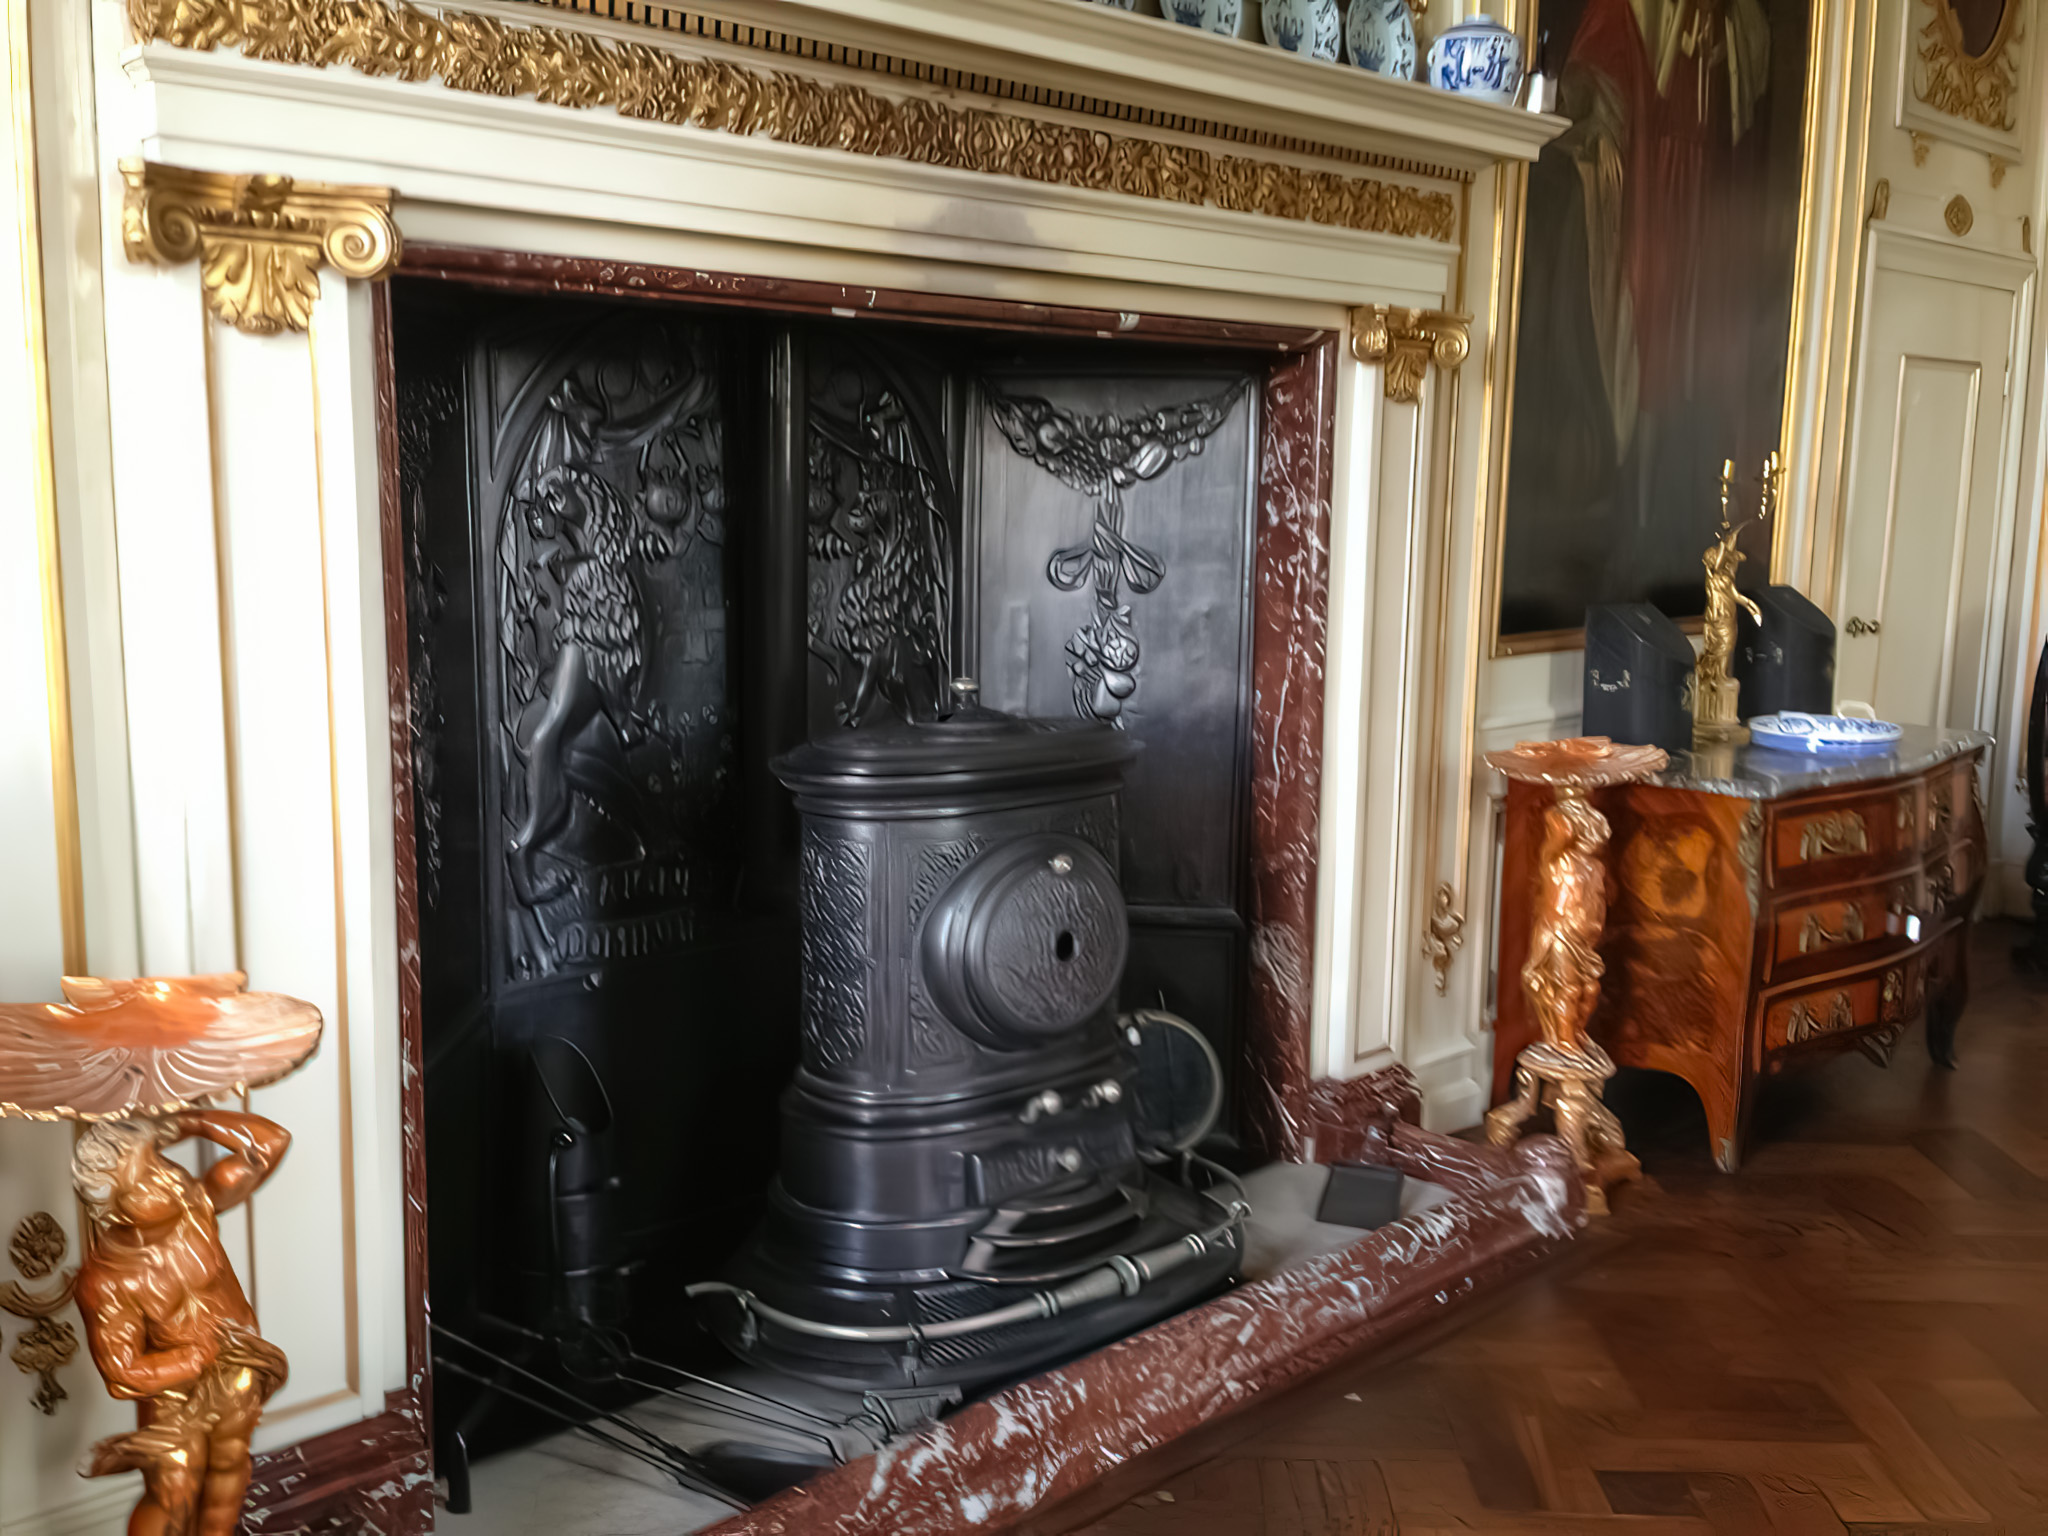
x,y
1849,1335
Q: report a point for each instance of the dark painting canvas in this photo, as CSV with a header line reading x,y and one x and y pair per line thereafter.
x,y
1656,300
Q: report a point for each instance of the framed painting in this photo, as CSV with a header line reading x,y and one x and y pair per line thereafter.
x,y
1660,242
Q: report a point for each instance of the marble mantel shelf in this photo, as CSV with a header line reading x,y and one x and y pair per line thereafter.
x,y
1143,61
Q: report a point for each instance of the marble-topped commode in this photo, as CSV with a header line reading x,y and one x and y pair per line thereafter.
x,y
1769,907
1760,773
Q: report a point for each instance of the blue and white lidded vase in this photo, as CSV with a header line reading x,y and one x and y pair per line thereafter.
x,y
1223,16
1479,58
1308,27
1379,35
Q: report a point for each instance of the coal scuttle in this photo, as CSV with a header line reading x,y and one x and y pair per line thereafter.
x,y
969,1188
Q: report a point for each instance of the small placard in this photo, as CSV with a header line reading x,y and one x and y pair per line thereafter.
x,y
1361,1195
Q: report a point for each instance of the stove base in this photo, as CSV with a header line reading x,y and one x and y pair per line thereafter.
x,y
1165,1215
1065,1447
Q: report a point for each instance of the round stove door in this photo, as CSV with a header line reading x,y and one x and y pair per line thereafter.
x,y
1027,942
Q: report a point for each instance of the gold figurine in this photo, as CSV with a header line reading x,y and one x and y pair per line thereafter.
x,y
165,1318
1716,714
1566,1069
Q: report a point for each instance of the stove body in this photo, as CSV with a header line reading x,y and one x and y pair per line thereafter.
x,y
960,1137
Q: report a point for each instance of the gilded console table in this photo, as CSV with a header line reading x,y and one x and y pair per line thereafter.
x,y
1766,909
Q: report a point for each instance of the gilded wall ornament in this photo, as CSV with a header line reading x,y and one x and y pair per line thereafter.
x,y
1446,934
38,1244
569,67
1881,198
1959,216
47,1345
1999,166
1976,87
1921,145
1406,341
260,240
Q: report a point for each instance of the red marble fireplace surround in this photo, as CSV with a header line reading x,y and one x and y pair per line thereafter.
x,y
1040,1447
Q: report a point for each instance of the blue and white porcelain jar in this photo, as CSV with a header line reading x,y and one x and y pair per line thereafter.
x,y
1479,58
1311,28
1379,35
1221,16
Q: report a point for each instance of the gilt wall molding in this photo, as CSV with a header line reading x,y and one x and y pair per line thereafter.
x,y
567,67
1980,88
260,240
47,1345
1446,935
1406,341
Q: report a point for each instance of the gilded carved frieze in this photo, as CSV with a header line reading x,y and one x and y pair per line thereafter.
x,y
571,68
260,240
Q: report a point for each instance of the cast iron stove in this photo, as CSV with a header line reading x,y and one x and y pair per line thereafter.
x,y
967,1190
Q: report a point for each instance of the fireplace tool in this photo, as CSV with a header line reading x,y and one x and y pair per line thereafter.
x,y
968,1190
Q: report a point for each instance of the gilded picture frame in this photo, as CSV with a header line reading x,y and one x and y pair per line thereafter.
x,y
1963,74
1828,58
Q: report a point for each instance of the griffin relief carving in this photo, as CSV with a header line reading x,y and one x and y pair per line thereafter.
x,y
615,747
879,615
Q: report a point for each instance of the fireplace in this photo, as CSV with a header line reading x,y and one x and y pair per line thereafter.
x,y
652,542
311,726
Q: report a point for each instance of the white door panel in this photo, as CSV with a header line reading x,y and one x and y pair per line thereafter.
x,y
1922,520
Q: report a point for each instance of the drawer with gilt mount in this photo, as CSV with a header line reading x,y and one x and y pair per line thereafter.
x,y
1867,1008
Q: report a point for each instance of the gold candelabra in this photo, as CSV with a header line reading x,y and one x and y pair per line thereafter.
x,y
1716,707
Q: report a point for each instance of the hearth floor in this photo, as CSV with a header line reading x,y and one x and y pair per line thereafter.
x,y
1849,1335
570,1485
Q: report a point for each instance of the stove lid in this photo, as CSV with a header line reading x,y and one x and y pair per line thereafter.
x,y
972,748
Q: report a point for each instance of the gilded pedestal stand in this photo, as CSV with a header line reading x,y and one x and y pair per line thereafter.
x,y
1567,1069
165,1317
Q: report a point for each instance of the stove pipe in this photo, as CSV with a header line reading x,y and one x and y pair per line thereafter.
x,y
964,1193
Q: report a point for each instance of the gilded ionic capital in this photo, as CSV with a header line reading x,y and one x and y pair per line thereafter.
x,y
260,240
1406,341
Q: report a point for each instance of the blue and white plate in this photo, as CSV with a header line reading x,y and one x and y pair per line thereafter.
x,y
1795,732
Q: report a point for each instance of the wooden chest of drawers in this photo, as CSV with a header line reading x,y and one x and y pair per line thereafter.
x,y
1768,913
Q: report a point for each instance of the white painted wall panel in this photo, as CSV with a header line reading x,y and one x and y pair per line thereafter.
x,y
286,843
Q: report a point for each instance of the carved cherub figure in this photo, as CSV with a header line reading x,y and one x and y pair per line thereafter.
x,y
165,1317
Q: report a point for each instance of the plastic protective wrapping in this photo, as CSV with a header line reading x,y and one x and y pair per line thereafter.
x,y
1047,1439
